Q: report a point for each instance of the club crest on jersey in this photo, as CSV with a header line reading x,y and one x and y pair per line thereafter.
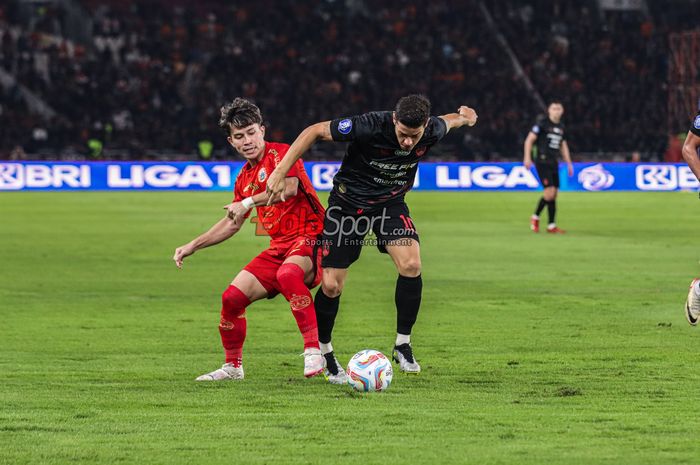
x,y
262,175
696,123
345,126
420,151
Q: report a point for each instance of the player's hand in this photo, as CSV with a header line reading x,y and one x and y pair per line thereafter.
x,y
234,209
528,164
182,252
275,185
469,114
570,169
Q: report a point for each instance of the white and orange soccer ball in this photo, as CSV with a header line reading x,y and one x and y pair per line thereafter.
x,y
369,370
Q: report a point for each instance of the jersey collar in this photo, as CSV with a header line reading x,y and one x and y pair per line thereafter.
x,y
248,166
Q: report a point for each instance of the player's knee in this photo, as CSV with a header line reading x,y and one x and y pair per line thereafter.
x,y
289,272
410,267
331,287
233,303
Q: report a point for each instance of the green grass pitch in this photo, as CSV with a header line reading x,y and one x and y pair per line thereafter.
x,y
536,349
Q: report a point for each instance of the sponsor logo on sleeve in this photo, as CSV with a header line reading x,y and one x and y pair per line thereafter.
x,y
345,126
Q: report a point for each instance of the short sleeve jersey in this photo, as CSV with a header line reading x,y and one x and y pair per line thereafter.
x,y
695,127
376,170
549,139
299,216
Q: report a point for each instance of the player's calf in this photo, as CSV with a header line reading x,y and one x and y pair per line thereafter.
x,y
233,325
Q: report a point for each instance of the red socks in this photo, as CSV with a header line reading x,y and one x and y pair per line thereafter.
x,y
233,324
291,281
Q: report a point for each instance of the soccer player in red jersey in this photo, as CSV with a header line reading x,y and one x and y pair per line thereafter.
x,y
291,265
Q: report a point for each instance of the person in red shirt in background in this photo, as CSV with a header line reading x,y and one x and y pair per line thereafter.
x,y
290,266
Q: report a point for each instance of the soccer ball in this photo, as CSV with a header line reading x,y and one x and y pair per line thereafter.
x,y
369,370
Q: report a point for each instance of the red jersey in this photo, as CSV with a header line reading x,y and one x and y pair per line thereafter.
x,y
299,216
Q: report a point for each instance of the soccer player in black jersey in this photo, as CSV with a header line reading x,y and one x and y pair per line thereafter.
x,y
378,169
548,133
691,156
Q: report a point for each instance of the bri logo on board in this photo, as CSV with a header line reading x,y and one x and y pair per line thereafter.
x,y
664,178
17,176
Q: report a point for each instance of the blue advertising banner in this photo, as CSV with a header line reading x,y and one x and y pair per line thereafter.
x,y
76,176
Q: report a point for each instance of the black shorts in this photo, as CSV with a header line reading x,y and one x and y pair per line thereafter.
x,y
344,231
549,175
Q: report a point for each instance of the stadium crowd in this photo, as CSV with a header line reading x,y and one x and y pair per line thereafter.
x,y
150,82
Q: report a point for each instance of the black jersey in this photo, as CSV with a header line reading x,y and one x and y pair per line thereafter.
x,y
549,139
695,128
375,170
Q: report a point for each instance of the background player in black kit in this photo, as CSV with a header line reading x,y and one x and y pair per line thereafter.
x,y
548,132
378,169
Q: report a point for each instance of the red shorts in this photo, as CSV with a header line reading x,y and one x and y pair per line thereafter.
x,y
264,267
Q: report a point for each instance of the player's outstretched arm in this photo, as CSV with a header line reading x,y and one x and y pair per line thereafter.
x,y
222,230
236,209
690,153
465,116
307,138
527,149
566,155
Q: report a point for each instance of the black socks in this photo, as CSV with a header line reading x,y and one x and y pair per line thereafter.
x,y
408,296
326,311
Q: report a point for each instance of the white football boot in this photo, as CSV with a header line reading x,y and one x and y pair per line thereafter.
x,y
334,372
227,372
403,355
313,362
692,304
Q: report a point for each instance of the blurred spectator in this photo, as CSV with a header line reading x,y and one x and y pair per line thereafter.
x,y
155,74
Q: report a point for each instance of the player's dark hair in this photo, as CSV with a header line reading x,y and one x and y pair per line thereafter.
x,y
555,101
240,113
413,110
